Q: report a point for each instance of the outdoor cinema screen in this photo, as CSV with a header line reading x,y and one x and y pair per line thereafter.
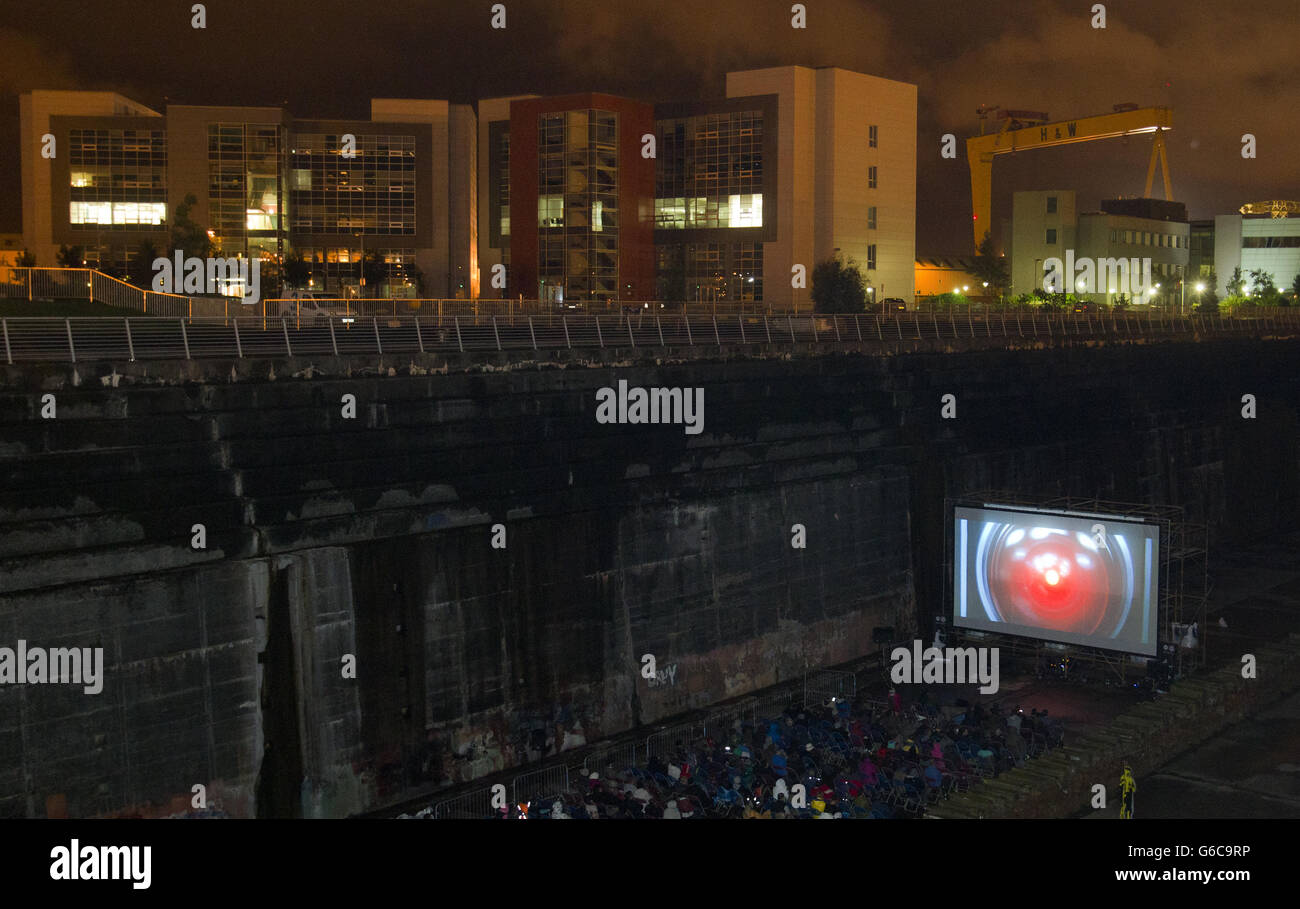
x,y
1057,576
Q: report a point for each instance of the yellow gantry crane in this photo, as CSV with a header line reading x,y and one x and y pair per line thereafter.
x,y
1023,130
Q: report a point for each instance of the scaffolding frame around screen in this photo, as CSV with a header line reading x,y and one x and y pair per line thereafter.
x,y
1182,592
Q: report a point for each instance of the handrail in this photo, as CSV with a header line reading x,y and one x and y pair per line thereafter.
x,y
133,339
93,286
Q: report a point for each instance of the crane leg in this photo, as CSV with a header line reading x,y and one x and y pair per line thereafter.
x,y
1158,154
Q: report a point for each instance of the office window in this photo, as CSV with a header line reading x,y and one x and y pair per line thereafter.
x,y
872,135
871,177
871,217
709,171
1051,236
117,177
1051,205
871,257
550,211
373,192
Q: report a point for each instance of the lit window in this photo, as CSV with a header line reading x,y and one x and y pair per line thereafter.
x,y
745,210
550,211
259,220
117,212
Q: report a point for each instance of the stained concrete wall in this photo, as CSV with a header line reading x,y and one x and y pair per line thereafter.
x,y
372,538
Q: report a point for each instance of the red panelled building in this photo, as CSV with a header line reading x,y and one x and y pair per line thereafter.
x,y
581,198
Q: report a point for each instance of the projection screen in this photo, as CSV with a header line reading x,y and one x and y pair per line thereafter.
x,y
1057,576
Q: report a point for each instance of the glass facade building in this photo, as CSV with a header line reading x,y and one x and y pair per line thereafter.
x,y
372,192
117,183
712,174
246,189
369,193
263,183
118,179
577,204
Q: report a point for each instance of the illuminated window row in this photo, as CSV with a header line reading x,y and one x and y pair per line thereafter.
x,y
145,214
734,211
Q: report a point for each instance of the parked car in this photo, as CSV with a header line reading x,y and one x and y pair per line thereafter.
x,y
306,307
895,304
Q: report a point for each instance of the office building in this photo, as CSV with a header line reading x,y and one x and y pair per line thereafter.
x,y
397,187
795,165
1047,225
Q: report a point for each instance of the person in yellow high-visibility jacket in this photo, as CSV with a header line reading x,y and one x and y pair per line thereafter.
x,y
1127,787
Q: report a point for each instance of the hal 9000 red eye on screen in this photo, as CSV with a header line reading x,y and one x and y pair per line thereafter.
x,y
1078,579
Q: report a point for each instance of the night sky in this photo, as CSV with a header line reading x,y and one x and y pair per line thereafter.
x,y
1226,69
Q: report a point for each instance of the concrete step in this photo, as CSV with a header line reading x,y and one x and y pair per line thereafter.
x,y
104,563
105,464
127,495
74,532
42,437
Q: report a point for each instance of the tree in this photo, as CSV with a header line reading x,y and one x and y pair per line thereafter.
x,y
375,270
1295,291
416,274
991,268
1236,283
71,257
670,281
1262,287
28,260
837,286
109,267
139,270
187,234
942,302
296,270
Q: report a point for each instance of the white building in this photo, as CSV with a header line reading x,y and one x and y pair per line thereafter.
x,y
1256,242
1047,226
845,177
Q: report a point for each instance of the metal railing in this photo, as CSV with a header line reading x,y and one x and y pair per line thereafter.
x,y
91,286
663,741
538,785
824,684
620,756
473,805
42,339
440,308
